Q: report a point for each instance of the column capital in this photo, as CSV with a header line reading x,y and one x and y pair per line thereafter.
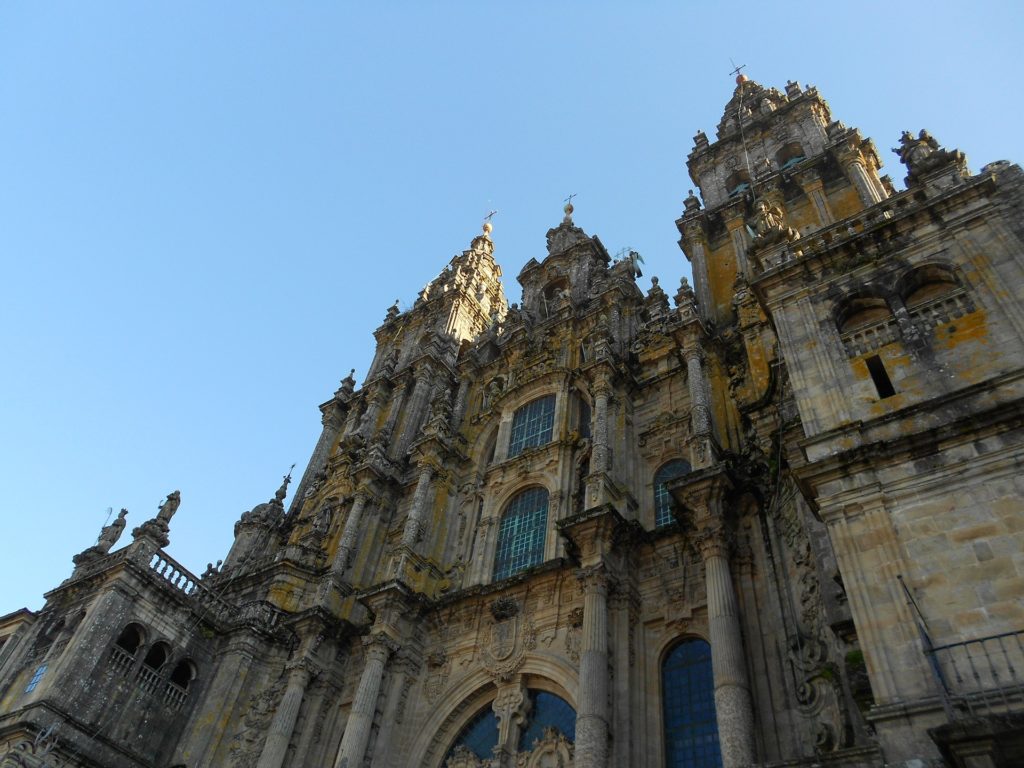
x,y
423,372
303,669
362,494
713,540
702,494
693,231
694,353
595,579
379,646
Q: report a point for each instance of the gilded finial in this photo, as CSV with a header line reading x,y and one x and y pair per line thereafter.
x,y
568,206
488,227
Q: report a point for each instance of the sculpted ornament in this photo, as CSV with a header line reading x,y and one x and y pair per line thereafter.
x,y
505,644
248,743
923,155
770,227
552,750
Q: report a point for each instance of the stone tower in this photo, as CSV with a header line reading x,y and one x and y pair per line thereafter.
x,y
773,519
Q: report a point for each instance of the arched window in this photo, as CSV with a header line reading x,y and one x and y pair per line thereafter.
x,y
688,704
130,639
532,425
862,311
737,183
480,736
789,155
547,711
926,284
184,673
157,656
521,533
663,502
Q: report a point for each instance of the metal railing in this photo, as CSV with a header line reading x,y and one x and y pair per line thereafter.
x,y
982,676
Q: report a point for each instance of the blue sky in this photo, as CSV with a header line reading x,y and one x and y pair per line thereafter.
x,y
206,208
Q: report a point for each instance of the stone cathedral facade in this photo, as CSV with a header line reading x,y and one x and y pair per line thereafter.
x,y
774,519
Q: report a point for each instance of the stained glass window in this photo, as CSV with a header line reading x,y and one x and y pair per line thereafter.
x,y
548,710
532,425
662,498
691,729
480,736
521,533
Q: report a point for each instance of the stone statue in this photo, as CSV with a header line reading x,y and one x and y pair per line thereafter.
x,y
169,507
923,155
913,151
111,533
770,225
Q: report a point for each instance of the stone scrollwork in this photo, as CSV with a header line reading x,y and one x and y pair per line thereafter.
x,y
552,750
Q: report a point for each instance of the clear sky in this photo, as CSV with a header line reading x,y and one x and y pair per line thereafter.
x,y
206,208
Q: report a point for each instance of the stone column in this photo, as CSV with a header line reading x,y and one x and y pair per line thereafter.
x,y
346,546
417,404
279,733
600,457
369,420
732,689
737,227
360,719
694,237
698,392
459,409
397,400
414,522
814,188
592,713
352,420
866,189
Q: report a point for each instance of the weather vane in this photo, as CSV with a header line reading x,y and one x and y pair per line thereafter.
x,y
737,70
490,216
569,198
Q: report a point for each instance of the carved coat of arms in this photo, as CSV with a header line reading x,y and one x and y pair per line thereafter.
x,y
507,636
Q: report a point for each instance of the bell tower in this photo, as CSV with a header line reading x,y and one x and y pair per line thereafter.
x,y
775,154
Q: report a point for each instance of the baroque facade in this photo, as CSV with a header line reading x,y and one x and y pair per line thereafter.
x,y
775,520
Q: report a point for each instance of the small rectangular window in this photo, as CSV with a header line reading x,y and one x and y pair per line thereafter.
x,y
881,378
36,677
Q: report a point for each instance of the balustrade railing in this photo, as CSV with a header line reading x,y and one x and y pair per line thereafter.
x,y
174,696
982,676
941,310
149,679
121,660
179,577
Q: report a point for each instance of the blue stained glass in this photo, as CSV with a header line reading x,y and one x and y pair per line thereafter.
x,y
691,728
548,710
36,677
480,736
662,498
532,425
521,533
